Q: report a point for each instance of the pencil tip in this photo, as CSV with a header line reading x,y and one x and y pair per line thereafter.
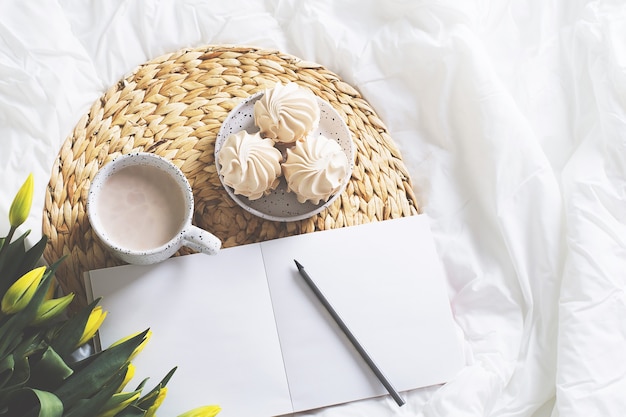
x,y
298,264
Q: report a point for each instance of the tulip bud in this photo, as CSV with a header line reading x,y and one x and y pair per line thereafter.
x,y
22,291
139,348
96,317
204,411
151,411
50,309
22,202
130,373
118,402
51,289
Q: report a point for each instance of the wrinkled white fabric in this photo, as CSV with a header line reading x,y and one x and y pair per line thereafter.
x,y
510,115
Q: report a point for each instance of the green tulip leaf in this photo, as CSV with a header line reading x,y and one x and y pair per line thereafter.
x,y
21,372
119,402
32,256
142,384
19,377
7,366
94,405
148,400
132,411
28,402
65,340
49,371
10,261
11,332
87,381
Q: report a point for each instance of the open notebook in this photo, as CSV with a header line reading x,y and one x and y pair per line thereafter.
x,y
247,333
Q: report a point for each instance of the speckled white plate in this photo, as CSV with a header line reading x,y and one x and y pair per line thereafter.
x,y
281,205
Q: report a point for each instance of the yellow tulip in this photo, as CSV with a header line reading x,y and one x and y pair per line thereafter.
x,y
130,373
22,202
22,291
51,289
204,411
139,348
118,402
50,309
96,317
151,411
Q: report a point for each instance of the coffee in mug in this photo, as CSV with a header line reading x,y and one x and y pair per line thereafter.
x,y
140,206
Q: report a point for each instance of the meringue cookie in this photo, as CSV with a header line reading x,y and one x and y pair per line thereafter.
x,y
315,168
250,165
287,113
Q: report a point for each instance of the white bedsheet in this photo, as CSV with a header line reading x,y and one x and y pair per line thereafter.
x,y
510,115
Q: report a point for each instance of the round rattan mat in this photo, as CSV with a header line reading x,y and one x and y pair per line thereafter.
x,y
174,106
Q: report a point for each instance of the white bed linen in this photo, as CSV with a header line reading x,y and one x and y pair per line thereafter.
x,y
510,115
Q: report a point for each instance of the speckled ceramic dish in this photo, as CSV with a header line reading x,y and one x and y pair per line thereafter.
x,y
281,205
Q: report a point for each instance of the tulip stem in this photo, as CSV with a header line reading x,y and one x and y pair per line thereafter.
x,y
7,240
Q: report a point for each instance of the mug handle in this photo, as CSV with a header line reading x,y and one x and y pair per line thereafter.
x,y
201,241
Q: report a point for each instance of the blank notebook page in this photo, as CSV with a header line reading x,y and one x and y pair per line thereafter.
x,y
248,334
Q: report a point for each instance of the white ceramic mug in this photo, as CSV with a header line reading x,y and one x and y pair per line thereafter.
x,y
140,206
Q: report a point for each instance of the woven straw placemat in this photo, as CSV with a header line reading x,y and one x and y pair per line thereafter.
x,y
173,106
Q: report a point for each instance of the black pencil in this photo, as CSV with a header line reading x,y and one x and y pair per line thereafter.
x,y
366,357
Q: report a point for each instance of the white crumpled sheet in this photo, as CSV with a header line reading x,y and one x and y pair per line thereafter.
x,y
509,114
